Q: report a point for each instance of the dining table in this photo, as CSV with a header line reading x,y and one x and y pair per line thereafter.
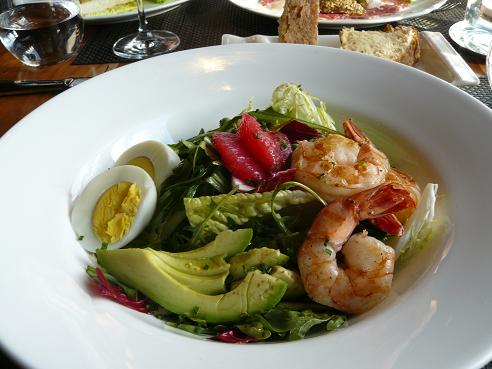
x,y
199,23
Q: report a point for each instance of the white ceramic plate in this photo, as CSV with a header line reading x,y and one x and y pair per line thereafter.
x,y
438,314
151,9
416,9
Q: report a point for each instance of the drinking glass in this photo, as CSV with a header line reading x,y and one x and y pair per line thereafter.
x,y
475,31
41,32
145,43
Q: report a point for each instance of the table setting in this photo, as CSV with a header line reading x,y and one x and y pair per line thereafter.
x,y
224,110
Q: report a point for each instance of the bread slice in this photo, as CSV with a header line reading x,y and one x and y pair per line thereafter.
x,y
299,22
400,43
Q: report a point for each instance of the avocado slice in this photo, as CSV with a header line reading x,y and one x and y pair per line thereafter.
x,y
227,243
200,267
201,275
206,284
143,270
245,261
295,288
212,285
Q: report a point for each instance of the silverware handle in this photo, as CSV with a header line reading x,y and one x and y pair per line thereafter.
x,y
9,87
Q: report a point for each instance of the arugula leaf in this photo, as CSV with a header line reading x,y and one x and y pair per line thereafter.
x,y
198,174
274,121
255,330
293,324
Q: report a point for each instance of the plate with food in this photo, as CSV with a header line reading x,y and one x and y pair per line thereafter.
x,y
117,11
251,215
338,13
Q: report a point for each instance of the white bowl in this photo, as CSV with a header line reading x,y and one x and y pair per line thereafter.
x,y
439,312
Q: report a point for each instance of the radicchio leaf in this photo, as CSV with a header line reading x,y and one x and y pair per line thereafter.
x,y
115,293
276,180
232,336
297,131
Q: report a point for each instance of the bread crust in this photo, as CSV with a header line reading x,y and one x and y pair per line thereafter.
x,y
299,22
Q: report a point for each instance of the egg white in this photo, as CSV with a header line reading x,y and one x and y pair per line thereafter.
x,y
163,158
86,202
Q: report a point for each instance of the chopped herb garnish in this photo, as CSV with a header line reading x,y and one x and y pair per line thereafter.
x,y
194,311
80,238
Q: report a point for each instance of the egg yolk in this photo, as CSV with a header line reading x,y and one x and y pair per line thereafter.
x,y
114,212
144,163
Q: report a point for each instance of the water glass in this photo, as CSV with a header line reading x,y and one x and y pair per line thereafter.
x,y
41,32
478,14
475,31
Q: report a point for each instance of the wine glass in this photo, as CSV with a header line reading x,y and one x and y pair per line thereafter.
x,y
145,43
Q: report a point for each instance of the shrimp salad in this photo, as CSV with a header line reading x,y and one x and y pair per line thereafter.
x,y
278,224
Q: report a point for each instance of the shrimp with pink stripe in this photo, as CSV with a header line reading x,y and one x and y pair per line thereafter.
x,y
336,166
364,275
390,223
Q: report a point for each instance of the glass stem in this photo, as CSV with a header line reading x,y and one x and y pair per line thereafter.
x,y
142,21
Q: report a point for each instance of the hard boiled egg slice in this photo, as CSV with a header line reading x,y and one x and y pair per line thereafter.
x,y
157,159
114,207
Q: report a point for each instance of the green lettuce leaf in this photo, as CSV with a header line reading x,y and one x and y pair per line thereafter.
x,y
291,324
238,209
418,228
292,101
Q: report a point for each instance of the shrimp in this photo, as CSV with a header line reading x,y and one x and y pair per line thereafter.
x,y
336,166
364,277
390,223
393,223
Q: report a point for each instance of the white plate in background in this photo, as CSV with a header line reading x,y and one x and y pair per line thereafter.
x,y
416,8
438,314
151,9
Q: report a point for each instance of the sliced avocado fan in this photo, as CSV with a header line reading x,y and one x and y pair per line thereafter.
x,y
143,270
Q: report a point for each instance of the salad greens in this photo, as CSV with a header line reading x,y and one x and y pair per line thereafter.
x,y
290,100
419,226
239,208
198,202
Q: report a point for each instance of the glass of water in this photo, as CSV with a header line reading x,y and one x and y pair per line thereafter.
x,y
475,31
41,32
145,43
